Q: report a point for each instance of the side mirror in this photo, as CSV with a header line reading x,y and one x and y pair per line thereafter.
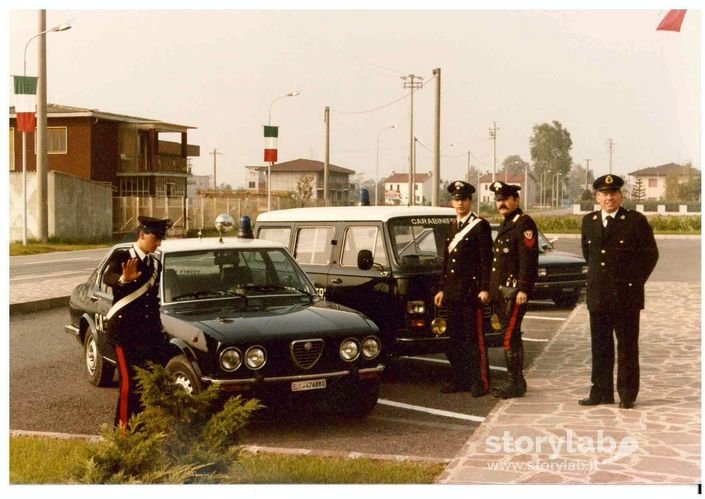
x,y
364,260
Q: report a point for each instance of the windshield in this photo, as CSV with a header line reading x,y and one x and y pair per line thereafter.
x,y
217,273
419,241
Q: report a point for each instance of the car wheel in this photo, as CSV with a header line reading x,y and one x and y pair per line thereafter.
x,y
99,372
568,300
184,375
356,400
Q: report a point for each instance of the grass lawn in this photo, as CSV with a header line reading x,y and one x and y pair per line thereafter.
x,y
51,461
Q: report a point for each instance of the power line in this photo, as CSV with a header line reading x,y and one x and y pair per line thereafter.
x,y
385,105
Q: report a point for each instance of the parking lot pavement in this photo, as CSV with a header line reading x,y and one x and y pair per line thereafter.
x,y
546,437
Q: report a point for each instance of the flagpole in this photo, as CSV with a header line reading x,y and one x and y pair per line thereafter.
x,y
24,188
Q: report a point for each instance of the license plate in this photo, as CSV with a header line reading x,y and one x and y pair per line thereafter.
x,y
567,290
311,384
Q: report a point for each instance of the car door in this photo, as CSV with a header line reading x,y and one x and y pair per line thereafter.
x,y
313,250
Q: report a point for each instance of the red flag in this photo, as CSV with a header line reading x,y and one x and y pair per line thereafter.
x,y
672,21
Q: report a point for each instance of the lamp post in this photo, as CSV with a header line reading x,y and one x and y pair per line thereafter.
x,y
557,189
377,167
42,119
269,166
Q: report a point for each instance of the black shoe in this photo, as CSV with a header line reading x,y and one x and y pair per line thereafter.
x,y
626,404
509,391
453,388
479,392
595,401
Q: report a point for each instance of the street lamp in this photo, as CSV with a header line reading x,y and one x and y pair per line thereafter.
x,y
60,27
557,189
377,169
269,166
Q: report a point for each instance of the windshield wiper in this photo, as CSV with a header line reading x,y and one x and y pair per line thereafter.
x,y
209,293
277,287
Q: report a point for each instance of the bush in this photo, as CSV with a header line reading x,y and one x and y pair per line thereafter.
x,y
178,438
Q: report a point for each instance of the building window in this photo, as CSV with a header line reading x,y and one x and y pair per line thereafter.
x,y
11,143
169,187
653,182
56,143
252,185
134,186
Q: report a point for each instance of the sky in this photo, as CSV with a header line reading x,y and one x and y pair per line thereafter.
x,y
603,74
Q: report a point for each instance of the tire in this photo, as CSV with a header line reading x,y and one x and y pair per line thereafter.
x,y
568,300
99,372
184,375
355,399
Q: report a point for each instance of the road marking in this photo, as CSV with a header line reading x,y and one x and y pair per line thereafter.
x,y
544,318
445,362
537,340
49,276
55,261
430,410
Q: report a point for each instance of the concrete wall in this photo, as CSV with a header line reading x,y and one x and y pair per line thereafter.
x,y
78,209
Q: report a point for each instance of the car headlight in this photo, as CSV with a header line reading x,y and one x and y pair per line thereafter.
x,y
230,359
542,272
439,326
415,307
255,357
349,350
584,269
370,347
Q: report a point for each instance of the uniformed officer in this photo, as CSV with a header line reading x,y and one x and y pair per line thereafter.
x,y
514,265
463,289
619,247
133,323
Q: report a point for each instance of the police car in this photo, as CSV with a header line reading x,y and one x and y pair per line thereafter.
x,y
241,313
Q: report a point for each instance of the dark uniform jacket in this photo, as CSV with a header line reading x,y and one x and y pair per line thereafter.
x,y
466,268
137,322
620,259
515,254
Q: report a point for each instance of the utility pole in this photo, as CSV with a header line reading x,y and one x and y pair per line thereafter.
x,y
215,153
326,154
610,145
436,174
42,135
493,137
413,85
587,173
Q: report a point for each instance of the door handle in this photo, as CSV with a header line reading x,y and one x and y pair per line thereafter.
x,y
336,281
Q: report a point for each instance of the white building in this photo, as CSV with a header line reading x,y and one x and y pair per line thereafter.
x,y
653,178
396,189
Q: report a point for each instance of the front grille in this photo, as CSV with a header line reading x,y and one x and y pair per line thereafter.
x,y
305,353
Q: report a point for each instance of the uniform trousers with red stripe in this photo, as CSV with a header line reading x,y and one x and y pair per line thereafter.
x,y
510,318
129,357
466,352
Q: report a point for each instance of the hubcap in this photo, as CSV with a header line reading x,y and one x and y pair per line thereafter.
x,y
91,353
183,381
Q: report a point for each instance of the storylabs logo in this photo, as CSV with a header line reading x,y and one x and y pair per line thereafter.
x,y
604,449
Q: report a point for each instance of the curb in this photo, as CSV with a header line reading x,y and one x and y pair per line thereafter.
x,y
29,307
256,449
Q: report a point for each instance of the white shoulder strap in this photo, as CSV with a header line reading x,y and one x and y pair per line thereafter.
x,y
125,300
460,235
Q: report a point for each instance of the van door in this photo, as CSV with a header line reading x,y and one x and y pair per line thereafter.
x,y
368,291
313,250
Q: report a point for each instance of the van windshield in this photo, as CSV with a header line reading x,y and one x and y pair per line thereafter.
x,y
419,241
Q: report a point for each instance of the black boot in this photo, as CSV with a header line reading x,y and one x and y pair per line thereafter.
x,y
516,384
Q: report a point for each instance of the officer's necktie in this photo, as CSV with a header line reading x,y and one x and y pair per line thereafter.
x,y
460,226
608,221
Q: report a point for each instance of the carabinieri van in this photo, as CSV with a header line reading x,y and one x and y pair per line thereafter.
x,y
384,261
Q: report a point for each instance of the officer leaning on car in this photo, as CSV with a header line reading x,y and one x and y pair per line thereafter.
x,y
514,271
463,289
619,247
133,322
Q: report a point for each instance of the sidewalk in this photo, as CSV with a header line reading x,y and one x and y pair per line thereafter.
x,y
546,437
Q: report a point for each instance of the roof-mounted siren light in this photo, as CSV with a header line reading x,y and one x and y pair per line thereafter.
x,y
364,197
224,223
245,230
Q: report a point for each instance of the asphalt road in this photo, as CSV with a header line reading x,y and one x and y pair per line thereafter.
x,y
48,391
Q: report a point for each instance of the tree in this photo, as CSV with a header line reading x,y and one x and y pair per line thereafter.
x,y
550,153
575,183
304,189
514,165
638,191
